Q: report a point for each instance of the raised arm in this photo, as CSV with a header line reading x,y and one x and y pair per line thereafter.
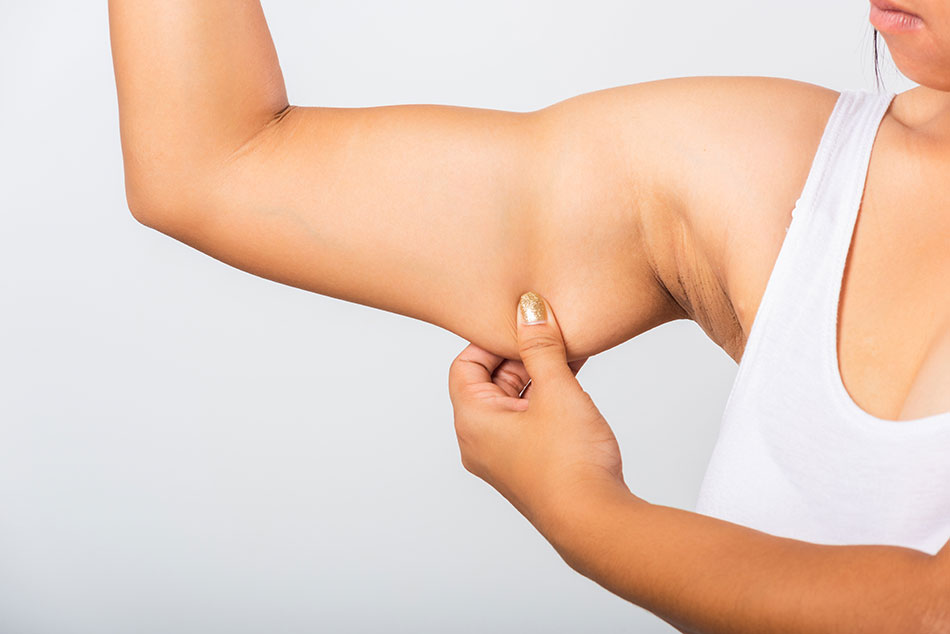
x,y
618,205
441,213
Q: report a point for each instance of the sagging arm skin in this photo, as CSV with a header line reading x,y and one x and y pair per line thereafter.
x,y
441,213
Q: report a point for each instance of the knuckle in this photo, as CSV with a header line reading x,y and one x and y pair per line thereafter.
x,y
468,446
466,433
461,428
467,457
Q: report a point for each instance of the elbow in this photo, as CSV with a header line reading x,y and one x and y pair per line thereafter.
x,y
144,207
163,199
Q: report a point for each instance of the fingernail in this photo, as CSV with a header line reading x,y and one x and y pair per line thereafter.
x,y
532,308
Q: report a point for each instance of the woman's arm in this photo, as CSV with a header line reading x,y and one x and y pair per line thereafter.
x,y
555,458
706,575
629,206
405,208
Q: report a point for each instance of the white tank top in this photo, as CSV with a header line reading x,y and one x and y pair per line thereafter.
x,y
796,456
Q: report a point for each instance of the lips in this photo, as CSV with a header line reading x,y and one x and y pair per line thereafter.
x,y
887,5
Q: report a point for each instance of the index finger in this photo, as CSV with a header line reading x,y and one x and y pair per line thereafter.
x,y
473,365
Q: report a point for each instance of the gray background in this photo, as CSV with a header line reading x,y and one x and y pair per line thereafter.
x,y
187,448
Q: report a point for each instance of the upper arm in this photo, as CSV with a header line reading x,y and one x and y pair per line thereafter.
x,y
442,213
625,207
612,204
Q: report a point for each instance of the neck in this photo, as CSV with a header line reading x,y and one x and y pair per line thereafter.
x,y
924,110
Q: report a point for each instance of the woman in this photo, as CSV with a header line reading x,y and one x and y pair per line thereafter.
x,y
623,209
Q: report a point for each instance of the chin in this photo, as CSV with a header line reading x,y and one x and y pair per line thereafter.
x,y
921,61
926,74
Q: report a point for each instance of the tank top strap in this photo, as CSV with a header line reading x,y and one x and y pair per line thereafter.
x,y
839,169
833,191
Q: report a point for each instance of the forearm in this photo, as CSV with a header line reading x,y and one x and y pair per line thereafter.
x,y
195,80
706,575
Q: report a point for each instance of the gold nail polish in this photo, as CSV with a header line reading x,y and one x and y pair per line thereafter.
x,y
532,308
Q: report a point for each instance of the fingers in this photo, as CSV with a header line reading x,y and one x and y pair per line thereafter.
x,y
472,365
511,376
542,350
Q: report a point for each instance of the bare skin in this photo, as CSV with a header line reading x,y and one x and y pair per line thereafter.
x,y
617,205
674,182
625,208
894,331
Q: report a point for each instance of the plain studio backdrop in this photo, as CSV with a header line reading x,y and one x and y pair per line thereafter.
x,y
186,448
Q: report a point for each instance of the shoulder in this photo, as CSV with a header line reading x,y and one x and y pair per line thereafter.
x,y
737,152
706,170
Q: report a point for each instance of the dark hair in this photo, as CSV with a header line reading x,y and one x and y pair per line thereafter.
x,y
877,64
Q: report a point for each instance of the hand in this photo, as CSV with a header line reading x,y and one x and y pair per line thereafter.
x,y
542,450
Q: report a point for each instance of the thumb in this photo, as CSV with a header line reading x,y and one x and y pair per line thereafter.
x,y
540,342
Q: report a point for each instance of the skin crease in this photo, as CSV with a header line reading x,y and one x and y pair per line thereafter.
x,y
623,209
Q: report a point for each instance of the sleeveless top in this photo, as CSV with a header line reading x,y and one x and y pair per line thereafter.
x,y
796,456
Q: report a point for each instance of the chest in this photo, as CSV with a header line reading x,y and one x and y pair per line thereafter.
x,y
893,331
894,310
